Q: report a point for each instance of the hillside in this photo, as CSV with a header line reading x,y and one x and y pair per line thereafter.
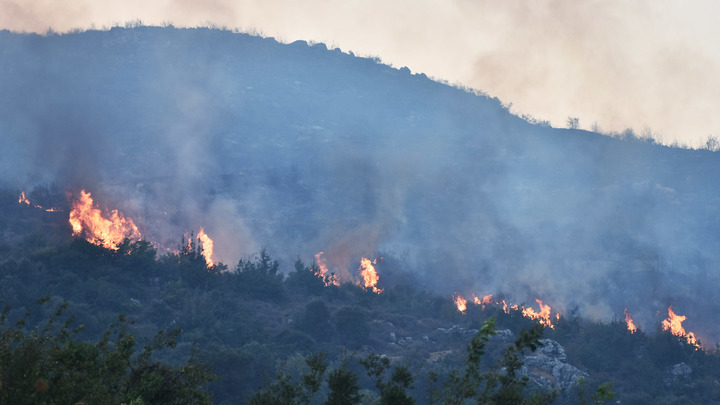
x,y
300,149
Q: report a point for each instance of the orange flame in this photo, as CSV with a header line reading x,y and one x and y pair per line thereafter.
x,y
324,273
99,230
507,308
674,324
207,246
543,316
369,275
486,300
460,302
630,324
23,199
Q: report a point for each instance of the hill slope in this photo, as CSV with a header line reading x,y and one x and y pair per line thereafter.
x,y
304,149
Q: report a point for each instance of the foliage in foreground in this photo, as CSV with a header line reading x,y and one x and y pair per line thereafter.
x,y
502,383
48,365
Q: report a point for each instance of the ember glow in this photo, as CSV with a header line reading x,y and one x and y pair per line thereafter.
x,y
460,303
543,316
369,275
629,322
674,324
207,246
107,230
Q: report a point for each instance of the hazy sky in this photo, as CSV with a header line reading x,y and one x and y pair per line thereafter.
x,y
614,63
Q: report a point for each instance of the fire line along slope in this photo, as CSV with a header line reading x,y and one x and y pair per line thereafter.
x,y
309,150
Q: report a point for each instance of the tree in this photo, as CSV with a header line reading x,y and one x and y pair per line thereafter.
x,y
712,144
306,279
573,122
393,391
259,276
49,365
501,384
344,388
315,320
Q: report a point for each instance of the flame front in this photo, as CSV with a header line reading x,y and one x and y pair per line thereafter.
x,y
99,230
629,322
207,246
369,275
323,272
674,324
486,300
23,199
460,302
543,316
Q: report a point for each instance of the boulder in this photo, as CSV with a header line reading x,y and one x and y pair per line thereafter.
x,y
547,367
679,373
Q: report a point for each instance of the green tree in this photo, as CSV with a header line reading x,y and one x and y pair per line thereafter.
x,y
306,279
259,277
344,388
394,390
501,383
48,365
315,320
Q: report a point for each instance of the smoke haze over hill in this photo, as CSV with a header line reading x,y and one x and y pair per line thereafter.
x,y
614,63
302,149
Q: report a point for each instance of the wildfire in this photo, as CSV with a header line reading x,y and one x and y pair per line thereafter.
x,y
207,246
324,273
460,303
543,316
630,324
507,308
24,200
674,324
369,275
486,300
107,232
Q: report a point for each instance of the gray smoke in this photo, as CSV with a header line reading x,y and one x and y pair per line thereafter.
x,y
301,149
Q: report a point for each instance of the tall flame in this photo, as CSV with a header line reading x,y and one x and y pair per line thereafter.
x,y
207,246
460,302
323,272
369,275
107,232
629,322
674,324
543,316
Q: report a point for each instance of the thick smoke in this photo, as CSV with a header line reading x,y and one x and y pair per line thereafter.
x,y
613,63
300,149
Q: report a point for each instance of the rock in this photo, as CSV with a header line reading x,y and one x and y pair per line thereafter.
x,y
547,367
679,373
438,356
504,335
551,348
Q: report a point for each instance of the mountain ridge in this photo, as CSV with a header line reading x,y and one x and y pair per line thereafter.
x,y
307,149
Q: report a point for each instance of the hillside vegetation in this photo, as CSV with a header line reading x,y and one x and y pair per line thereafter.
x,y
281,151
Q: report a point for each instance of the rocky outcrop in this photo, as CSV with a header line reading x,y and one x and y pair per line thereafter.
x,y
547,367
680,374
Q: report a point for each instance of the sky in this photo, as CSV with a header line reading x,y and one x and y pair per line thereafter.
x,y
614,64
